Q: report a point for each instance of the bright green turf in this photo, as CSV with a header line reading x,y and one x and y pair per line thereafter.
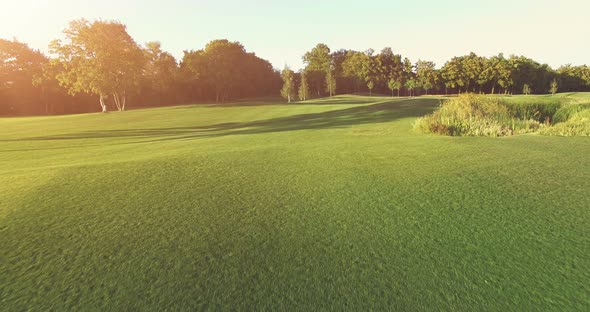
x,y
328,205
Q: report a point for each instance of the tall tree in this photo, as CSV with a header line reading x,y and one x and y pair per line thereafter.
x,y
318,63
370,86
288,85
331,83
391,68
454,75
471,69
504,73
99,58
426,74
394,84
574,78
482,77
411,85
490,74
224,70
20,66
303,87
364,67
526,89
375,70
554,87
356,66
409,74
223,67
344,82
160,73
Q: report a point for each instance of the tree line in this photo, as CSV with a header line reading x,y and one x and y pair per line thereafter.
x,y
347,71
98,65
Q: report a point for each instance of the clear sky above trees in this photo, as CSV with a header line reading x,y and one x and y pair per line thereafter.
x,y
282,31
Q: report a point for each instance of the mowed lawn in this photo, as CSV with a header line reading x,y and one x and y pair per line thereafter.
x,y
335,204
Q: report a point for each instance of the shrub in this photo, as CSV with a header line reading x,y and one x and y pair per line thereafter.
x,y
538,111
576,125
568,111
476,115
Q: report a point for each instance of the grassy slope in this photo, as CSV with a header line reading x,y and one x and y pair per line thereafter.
x,y
328,204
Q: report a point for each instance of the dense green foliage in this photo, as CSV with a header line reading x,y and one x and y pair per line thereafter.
x,y
477,115
18,66
100,57
333,204
367,71
224,71
23,89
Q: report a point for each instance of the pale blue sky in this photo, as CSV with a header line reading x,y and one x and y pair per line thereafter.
x,y
553,32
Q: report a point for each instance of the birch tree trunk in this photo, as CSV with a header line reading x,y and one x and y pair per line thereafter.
x,y
116,99
103,105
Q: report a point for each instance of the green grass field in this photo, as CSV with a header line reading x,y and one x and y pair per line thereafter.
x,y
334,204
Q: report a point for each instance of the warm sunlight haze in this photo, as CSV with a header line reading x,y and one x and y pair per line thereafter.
x,y
279,31
294,156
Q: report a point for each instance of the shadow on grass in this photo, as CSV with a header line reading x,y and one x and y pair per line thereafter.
x,y
377,113
335,100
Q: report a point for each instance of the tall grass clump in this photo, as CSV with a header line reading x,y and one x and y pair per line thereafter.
x,y
568,111
540,111
577,124
477,115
